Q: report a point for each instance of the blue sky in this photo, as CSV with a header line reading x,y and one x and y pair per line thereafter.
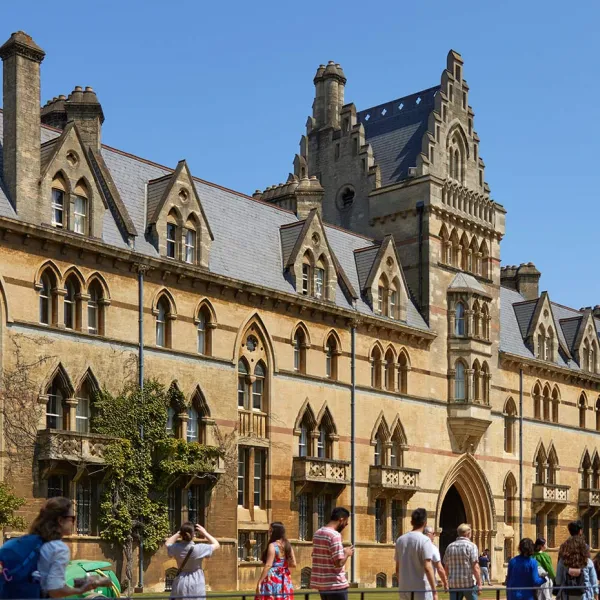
x,y
228,86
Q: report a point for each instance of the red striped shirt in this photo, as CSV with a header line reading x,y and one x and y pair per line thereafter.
x,y
327,548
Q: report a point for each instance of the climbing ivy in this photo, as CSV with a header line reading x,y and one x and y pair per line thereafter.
x,y
9,504
141,469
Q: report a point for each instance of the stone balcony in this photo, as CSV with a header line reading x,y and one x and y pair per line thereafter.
x,y
468,422
72,446
394,480
589,498
550,496
252,425
323,475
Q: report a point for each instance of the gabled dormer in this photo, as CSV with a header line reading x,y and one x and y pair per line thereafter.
x,y
70,195
585,343
309,260
541,335
176,223
382,280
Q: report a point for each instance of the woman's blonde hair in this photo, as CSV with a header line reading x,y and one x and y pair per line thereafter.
x,y
47,523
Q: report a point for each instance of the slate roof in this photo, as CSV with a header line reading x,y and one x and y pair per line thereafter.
x,y
464,281
515,318
395,131
249,242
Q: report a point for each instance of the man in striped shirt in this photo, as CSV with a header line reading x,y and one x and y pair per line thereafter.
x,y
329,557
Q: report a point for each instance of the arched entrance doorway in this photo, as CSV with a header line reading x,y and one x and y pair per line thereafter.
x,y
452,515
466,496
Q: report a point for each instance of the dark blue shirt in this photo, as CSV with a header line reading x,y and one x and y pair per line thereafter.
x,y
522,572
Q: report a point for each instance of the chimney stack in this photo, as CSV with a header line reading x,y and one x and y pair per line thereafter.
x,y
525,279
84,109
21,113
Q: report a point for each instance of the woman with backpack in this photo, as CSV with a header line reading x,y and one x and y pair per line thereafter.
x,y
54,522
189,581
575,572
275,581
544,566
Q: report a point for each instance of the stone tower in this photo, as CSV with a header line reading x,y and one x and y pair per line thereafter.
x,y
21,114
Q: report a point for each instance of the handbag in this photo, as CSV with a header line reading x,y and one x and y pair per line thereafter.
x,y
187,557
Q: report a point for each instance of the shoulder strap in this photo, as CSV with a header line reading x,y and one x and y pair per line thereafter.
x,y
187,557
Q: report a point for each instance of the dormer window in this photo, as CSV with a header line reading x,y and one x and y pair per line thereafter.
x,y
305,278
319,279
58,208
171,240
190,246
80,209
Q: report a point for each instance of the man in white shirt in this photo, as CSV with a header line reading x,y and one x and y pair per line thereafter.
x,y
414,567
437,559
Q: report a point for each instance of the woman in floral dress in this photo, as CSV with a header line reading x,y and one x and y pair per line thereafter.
x,y
275,582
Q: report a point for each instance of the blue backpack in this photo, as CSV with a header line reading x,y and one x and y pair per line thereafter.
x,y
18,560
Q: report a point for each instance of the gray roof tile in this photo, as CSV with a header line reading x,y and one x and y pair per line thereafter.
x,y
396,133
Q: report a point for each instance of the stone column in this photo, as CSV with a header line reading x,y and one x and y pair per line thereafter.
x,y
71,404
469,385
58,305
182,421
82,317
451,383
469,324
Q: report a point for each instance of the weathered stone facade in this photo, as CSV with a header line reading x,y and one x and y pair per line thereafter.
x,y
282,302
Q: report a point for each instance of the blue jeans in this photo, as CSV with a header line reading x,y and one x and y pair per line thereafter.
x,y
466,594
485,575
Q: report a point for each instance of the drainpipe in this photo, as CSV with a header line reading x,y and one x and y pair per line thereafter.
x,y
353,449
141,269
420,209
521,453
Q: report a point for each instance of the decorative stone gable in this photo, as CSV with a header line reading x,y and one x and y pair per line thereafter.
x,y
68,177
311,262
542,336
384,287
586,343
177,224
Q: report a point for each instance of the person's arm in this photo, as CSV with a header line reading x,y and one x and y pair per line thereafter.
x,y
537,579
172,540
211,540
268,565
442,573
292,560
477,574
339,554
560,573
428,566
58,556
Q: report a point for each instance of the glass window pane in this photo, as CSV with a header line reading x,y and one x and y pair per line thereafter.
x,y
80,213
257,394
58,199
190,246
242,453
171,240
194,504
170,421
201,333
83,493
82,415
304,517
174,508
319,280
192,425
258,476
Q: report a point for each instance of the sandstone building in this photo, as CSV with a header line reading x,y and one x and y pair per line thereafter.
x,y
370,282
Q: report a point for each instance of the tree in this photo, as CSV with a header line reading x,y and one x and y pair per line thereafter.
x,y
9,504
140,468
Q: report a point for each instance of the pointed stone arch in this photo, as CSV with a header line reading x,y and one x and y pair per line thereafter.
x,y
205,303
254,320
539,454
306,411
95,276
332,333
4,306
63,378
379,423
326,418
397,429
89,378
164,293
50,266
198,401
302,326
75,272
468,478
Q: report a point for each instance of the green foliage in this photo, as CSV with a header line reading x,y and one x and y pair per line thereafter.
x,y
9,504
141,468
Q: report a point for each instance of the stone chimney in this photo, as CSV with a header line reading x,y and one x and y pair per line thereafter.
x,y
299,195
54,112
21,113
525,279
84,109
596,311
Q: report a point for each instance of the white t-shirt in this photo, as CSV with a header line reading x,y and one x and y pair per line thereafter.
x,y
412,550
436,554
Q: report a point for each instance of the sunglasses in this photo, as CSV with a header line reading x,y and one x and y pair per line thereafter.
x,y
72,517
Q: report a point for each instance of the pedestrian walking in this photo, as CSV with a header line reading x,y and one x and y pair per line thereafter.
x,y
438,567
596,562
575,573
461,559
189,581
575,529
484,567
545,569
329,557
54,522
278,557
523,573
414,566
